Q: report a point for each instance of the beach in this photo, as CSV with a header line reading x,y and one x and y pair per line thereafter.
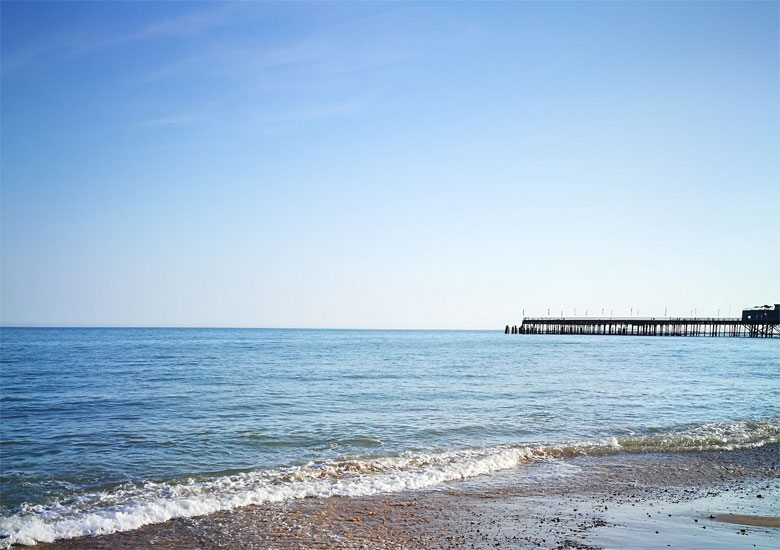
x,y
697,500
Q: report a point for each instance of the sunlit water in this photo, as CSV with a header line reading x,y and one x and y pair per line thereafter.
x,y
110,429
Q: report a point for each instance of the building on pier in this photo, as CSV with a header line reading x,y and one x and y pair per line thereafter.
x,y
762,314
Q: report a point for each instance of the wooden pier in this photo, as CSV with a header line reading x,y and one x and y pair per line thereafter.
x,y
649,326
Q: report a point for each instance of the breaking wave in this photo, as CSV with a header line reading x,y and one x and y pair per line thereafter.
x,y
131,506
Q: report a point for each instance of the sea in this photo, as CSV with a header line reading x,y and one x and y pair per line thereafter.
x,y
110,429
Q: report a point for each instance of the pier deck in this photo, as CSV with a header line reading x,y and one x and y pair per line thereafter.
x,y
646,326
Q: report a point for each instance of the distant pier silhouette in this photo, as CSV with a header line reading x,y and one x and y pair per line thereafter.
x,y
757,322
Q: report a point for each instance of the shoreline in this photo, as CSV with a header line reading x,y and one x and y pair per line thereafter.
x,y
613,501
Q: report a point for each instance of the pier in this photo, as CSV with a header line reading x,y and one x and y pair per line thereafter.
x,y
758,322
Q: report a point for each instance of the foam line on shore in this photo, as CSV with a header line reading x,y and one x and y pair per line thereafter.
x,y
131,506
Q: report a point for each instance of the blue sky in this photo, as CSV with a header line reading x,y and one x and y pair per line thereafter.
x,y
386,165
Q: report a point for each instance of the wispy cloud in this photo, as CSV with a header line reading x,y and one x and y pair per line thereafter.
x,y
315,57
187,24
352,46
172,120
270,121
75,44
307,114
282,86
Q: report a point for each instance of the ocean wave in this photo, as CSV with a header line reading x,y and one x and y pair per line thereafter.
x,y
712,436
131,506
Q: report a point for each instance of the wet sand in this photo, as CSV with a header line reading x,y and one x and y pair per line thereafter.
x,y
756,521
621,500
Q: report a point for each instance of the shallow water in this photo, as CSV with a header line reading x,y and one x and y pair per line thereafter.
x,y
110,429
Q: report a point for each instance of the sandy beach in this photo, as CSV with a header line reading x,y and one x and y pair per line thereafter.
x,y
718,499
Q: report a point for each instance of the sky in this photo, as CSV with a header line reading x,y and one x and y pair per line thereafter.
x,y
386,165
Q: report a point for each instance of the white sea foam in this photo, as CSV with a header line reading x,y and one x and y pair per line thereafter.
x,y
743,434
132,506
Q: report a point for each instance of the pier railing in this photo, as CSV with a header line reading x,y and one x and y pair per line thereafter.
x,y
645,326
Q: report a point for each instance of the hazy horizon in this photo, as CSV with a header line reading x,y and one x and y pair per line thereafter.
x,y
385,165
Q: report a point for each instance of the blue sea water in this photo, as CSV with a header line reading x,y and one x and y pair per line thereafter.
x,y
110,429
